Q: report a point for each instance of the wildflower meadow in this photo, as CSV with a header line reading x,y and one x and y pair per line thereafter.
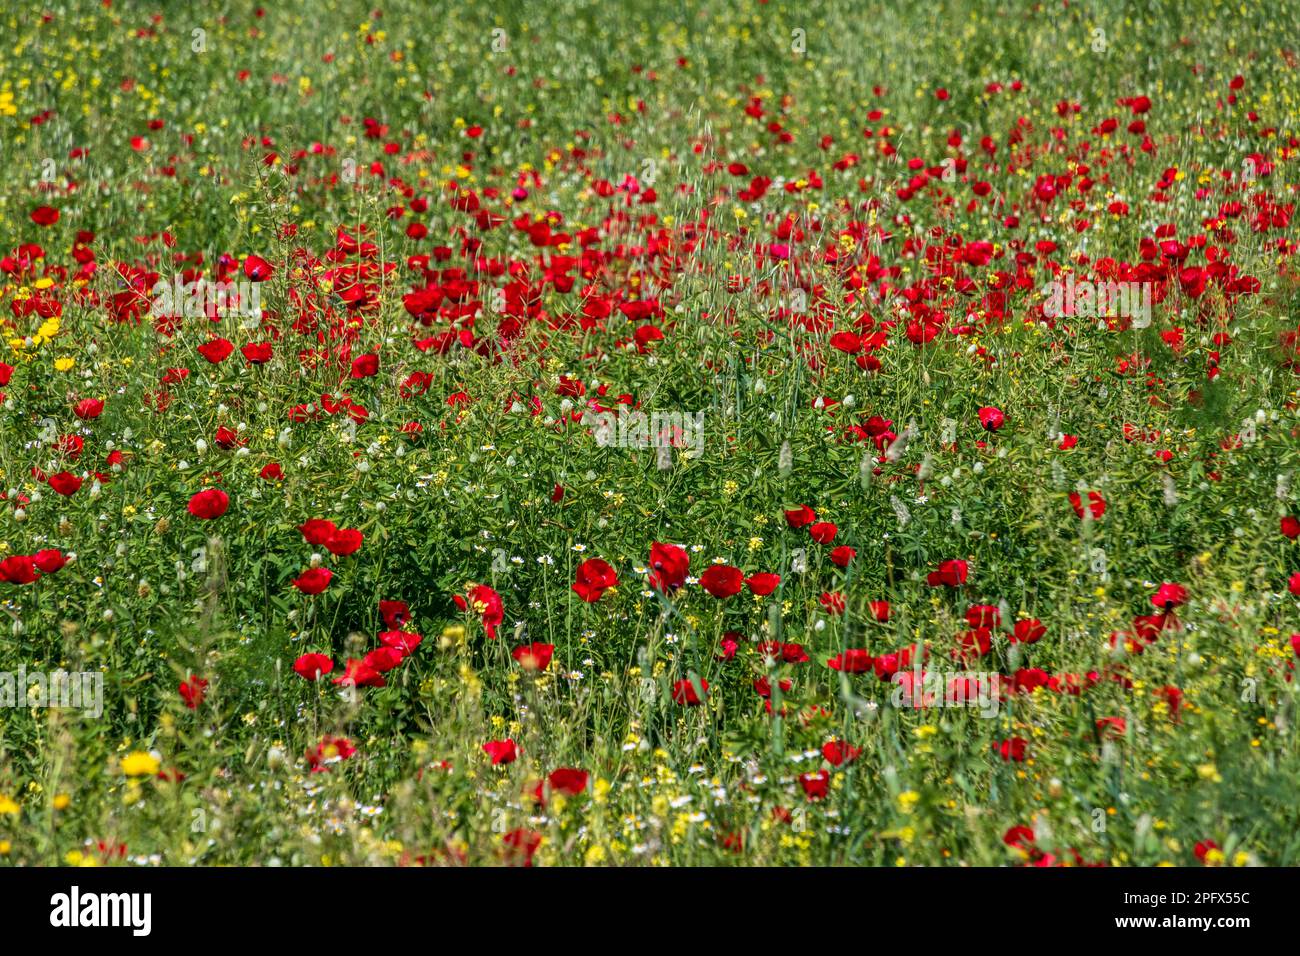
x,y
630,434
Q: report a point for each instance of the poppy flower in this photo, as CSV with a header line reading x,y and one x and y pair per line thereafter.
x,y
593,578
216,351
880,610
1011,749
722,581
983,615
842,555
501,751
317,531
271,472
951,573
669,565
257,353
823,532
193,691
394,613
484,601
521,846
49,560
18,569
1027,631
1169,596
65,483
1291,527
991,418
533,657
783,653
685,692
763,583
209,504
364,366
359,674
1294,584
313,580
1096,504
832,602
45,215
837,752
404,641
312,666
343,542
976,642
800,517
568,780
88,408
257,269
855,660
330,750
816,785
383,659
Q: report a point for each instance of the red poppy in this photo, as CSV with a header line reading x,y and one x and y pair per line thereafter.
x,y
843,555
991,418
486,602
18,569
800,517
209,504
364,366
65,483
823,532
1291,527
404,641
669,565
1096,504
193,691
216,351
837,752
1011,749
88,408
855,660
312,666
594,577
313,580
317,531
816,785
45,215
257,269
1027,631
521,846
685,692
568,780
983,615
49,560
344,541
722,581
501,751
533,657
951,573
1169,596
763,584
359,674
394,613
